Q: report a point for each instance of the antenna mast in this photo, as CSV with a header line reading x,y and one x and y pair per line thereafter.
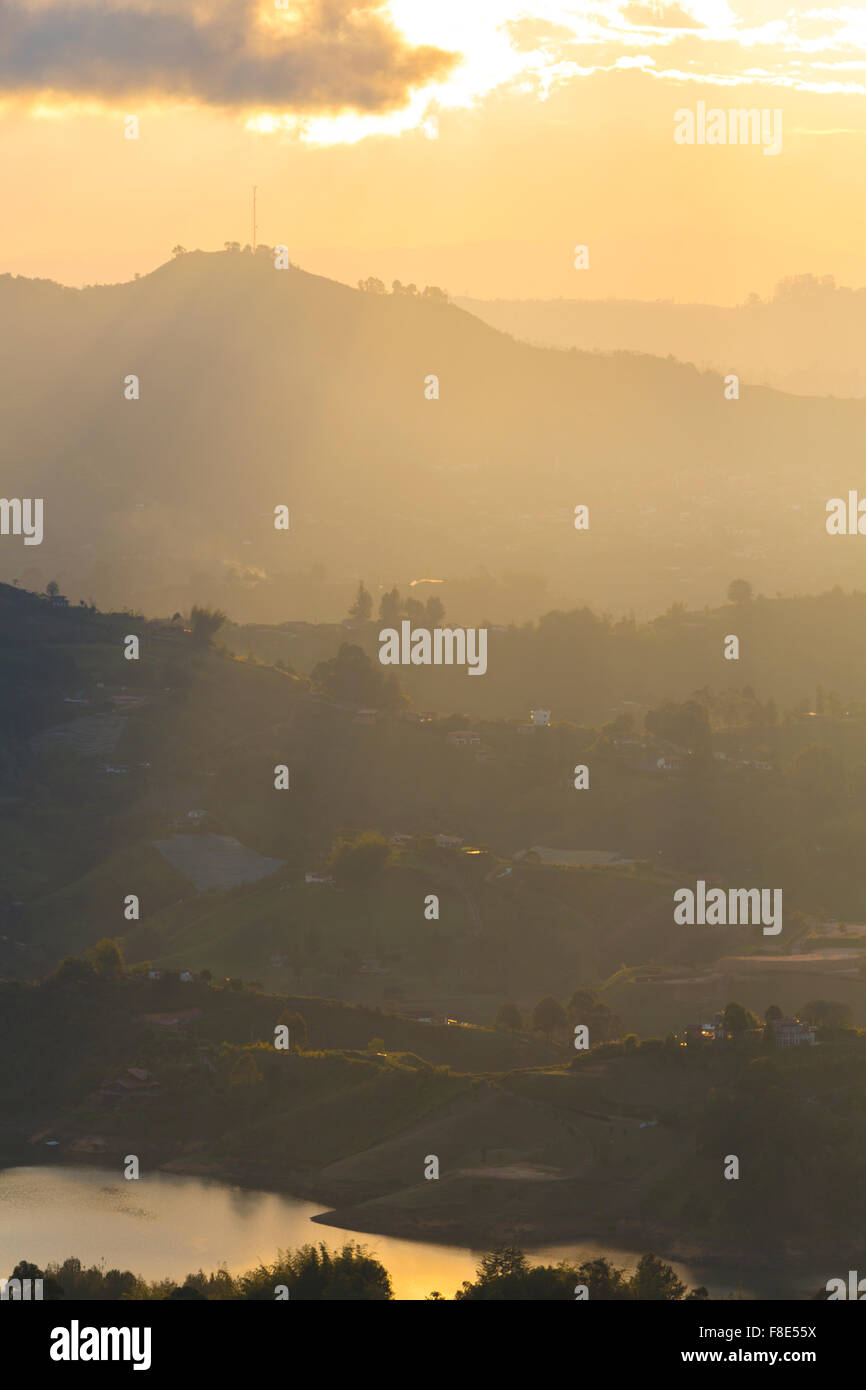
x,y
255,186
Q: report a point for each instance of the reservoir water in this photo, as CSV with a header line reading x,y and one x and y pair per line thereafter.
x,y
167,1226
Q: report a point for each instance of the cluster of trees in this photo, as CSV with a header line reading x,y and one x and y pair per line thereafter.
x,y
316,1274
372,285
827,1014
351,678
311,1273
506,1274
550,1017
358,862
393,607
233,246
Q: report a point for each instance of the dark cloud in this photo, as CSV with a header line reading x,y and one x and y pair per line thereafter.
x,y
332,54
660,16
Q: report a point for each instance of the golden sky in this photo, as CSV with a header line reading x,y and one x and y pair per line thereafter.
x,y
469,143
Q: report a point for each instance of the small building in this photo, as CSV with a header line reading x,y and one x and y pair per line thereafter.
x,y
134,1081
713,1031
573,858
186,977
462,737
540,718
448,841
791,1032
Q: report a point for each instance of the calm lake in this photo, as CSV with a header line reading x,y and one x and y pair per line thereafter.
x,y
170,1226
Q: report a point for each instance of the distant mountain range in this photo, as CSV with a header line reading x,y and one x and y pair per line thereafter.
x,y
261,388
809,338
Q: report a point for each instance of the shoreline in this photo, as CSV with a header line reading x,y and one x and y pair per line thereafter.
x,y
350,1217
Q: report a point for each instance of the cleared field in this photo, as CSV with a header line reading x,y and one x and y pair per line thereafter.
x,y
216,861
92,736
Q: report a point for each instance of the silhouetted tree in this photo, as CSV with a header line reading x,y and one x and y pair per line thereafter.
x,y
205,623
509,1017
358,863
739,591
362,608
106,958
548,1016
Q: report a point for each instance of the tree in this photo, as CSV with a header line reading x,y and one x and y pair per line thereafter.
x,y
372,285
51,1290
827,1013
509,1017
351,678
773,1012
739,591
106,958
178,251
75,971
585,1007
390,608
362,608
548,1016
319,1274
434,611
358,863
506,1274
654,1281
52,589
738,1020
205,623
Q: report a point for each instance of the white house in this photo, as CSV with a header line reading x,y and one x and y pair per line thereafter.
x,y
791,1032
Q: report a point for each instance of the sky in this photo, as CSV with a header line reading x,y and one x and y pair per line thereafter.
x,y
467,143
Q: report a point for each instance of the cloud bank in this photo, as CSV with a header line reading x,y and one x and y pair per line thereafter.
x,y
320,56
